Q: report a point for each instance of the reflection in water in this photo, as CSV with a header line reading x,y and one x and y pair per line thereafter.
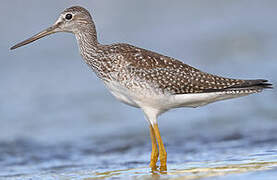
x,y
188,173
194,170
178,173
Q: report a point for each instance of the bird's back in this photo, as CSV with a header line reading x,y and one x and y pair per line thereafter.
x,y
173,76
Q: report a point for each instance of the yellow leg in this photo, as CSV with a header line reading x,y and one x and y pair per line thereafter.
x,y
162,150
155,151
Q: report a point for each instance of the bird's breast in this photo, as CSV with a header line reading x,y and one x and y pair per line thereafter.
x,y
121,93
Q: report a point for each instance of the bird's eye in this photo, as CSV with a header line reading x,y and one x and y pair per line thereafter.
x,y
68,16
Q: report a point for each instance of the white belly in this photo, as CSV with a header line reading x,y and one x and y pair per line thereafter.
x,y
121,93
148,99
137,96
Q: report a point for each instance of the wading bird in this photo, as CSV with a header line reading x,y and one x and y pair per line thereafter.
x,y
144,79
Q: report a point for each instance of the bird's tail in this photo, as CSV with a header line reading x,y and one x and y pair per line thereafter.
x,y
256,85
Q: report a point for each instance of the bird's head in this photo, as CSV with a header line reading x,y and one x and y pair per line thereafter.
x,y
73,20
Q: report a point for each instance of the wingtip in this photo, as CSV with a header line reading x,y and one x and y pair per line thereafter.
x,y
264,83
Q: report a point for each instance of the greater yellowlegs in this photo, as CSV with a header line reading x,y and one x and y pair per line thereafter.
x,y
145,79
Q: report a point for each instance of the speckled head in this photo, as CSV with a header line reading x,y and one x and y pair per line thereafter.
x,y
75,20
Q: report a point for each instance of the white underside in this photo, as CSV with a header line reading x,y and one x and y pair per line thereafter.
x,y
154,104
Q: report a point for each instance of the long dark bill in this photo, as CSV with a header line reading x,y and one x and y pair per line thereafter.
x,y
43,33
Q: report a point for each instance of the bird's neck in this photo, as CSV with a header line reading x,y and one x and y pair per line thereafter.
x,y
89,47
87,39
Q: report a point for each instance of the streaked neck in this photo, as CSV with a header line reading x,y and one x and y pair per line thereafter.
x,y
88,43
91,50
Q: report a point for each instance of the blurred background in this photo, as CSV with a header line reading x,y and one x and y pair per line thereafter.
x,y
51,101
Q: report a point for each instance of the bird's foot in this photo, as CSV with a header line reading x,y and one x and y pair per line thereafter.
x,y
163,169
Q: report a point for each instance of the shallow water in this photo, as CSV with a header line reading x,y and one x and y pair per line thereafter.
x,y
57,121
122,157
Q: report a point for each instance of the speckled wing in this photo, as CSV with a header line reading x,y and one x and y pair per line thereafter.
x,y
175,77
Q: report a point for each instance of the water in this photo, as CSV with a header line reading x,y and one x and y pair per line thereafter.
x,y
123,156
57,121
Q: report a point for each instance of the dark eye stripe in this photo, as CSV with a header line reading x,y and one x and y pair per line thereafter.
x,y
68,16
